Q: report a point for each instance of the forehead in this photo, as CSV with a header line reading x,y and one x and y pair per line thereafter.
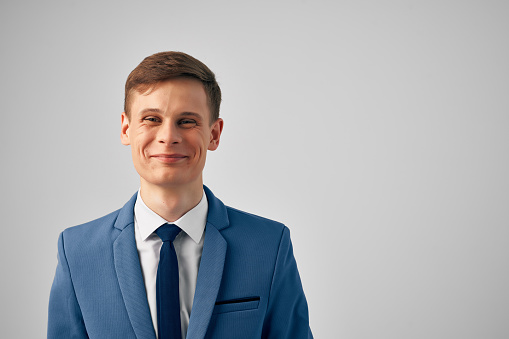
x,y
179,94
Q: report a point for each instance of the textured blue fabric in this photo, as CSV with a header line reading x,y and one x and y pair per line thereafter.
x,y
167,285
248,284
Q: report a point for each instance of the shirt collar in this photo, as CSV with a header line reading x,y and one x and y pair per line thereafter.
x,y
193,222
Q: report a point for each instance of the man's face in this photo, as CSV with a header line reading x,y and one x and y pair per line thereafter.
x,y
169,132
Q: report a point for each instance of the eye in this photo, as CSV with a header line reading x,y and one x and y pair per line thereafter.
x,y
187,123
151,119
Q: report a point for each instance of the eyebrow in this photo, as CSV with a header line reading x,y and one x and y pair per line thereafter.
x,y
150,110
195,115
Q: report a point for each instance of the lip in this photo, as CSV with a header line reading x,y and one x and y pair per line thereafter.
x,y
169,158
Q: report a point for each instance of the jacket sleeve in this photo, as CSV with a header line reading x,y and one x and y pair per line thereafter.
x,y
287,310
64,314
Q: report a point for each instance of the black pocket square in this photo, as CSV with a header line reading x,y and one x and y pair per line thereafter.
x,y
236,305
236,301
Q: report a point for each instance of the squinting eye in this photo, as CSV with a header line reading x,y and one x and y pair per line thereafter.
x,y
151,119
187,123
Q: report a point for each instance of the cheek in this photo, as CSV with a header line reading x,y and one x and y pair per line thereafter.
x,y
201,146
140,145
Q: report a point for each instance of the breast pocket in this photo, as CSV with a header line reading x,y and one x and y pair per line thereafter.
x,y
235,305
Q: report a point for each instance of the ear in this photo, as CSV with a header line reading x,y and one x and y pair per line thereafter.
x,y
215,134
124,130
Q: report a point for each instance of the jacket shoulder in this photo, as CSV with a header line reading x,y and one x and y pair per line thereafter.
x,y
253,223
91,231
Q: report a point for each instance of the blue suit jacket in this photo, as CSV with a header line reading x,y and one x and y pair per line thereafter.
x,y
248,285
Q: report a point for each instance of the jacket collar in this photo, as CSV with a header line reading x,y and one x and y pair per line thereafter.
x,y
126,214
217,215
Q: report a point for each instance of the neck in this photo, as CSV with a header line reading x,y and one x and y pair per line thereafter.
x,y
171,203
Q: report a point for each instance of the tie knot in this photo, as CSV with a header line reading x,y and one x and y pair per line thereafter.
x,y
168,232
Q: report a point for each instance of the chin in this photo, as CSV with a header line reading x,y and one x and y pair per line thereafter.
x,y
169,181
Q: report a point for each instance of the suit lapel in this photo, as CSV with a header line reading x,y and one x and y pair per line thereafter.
x,y
209,280
130,278
211,268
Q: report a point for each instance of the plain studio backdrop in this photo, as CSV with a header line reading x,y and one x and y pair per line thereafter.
x,y
378,131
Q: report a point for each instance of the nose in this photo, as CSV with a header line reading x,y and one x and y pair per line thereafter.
x,y
168,134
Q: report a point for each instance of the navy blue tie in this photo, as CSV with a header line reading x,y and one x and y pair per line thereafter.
x,y
167,285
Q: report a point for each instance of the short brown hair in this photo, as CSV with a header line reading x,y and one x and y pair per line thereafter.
x,y
169,65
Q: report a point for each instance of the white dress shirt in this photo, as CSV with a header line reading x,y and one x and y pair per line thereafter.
x,y
188,246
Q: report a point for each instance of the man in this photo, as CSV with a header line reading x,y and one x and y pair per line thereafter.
x,y
175,262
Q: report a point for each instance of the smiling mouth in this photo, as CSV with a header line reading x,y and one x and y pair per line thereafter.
x,y
169,158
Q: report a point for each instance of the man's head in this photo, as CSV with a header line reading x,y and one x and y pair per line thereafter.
x,y
164,66
171,119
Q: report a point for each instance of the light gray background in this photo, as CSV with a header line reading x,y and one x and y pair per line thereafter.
x,y
378,131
